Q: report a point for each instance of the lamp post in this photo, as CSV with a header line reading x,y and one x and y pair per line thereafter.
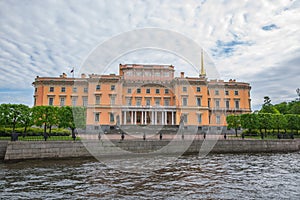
x,y
298,93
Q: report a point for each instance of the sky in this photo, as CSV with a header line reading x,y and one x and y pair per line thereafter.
x,y
250,41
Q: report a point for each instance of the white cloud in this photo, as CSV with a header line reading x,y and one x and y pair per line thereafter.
x,y
46,38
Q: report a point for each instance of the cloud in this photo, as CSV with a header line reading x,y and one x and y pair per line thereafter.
x,y
250,41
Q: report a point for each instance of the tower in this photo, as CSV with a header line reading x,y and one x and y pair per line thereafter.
x,y
202,70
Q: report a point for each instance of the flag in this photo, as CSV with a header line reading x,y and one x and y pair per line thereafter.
x,y
72,70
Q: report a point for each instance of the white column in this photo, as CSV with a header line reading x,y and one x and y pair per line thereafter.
x,y
155,118
131,117
125,119
134,117
152,117
142,121
172,118
162,118
145,117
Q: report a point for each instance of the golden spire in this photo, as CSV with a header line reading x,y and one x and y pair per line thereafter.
x,y
202,73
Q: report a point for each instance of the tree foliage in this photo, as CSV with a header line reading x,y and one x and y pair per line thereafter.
x,y
234,121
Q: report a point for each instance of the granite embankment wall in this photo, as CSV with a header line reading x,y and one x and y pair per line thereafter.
x,y
67,149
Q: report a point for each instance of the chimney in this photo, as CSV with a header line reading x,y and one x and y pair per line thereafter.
x,y
83,75
181,74
64,75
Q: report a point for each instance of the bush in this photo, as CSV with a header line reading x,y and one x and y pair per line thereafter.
x,y
34,131
252,133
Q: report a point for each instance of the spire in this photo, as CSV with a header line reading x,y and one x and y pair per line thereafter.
x,y
202,73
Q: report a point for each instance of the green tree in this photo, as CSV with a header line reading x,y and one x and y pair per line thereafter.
x,y
53,118
294,107
282,107
264,122
26,118
279,122
234,121
268,107
72,118
43,116
249,121
292,121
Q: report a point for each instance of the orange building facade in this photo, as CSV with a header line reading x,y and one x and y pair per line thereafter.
x,y
146,95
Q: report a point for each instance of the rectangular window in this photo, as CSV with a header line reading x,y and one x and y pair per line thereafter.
x,y
112,87
184,101
185,118
199,118
166,91
227,104
217,104
129,90
157,74
184,89
157,102
227,92
148,90
138,102
237,104
112,100
166,74
63,89
128,101
51,99
35,90
138,90
167,102
74,101
84,101
216,92
148,101
111,117
85,90
51,89
97,99
157,91
198,89
97,117
236,92
74,89
98,87
62,101
208,103
218,119
198,101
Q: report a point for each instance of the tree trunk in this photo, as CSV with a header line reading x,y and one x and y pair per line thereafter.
x,y
45,131
50,128
24,133
236,132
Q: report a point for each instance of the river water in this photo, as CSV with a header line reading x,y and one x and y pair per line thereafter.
x,y
218,176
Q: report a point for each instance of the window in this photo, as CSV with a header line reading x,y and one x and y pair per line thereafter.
x,y
148,101
237,104
51,89
74,89
85,90
236,92
111,117
218,119
184,101
208,103
185,118
63,89
226,92
97,117
166,91
62,101
129,90
227,104
96,127
112,87
199,118
138,90
157,91
97,99
148,90
198,89
138,101
128,101
112,100
51,99
166,74
157,74
74,101
98,87
184,89
217,104
84,101
34,101
157,102
147,73
216,92
35,90
198,101
167,102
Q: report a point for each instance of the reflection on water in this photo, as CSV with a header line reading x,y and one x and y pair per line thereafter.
x,y
228,176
